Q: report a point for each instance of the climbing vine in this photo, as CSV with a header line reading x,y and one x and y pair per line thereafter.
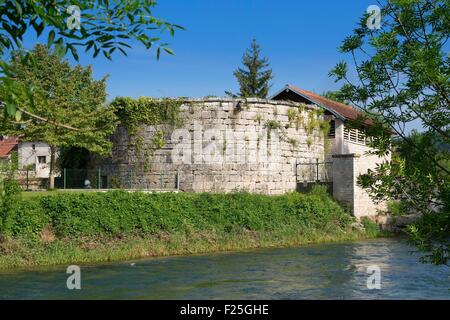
x,y
133,113
271,125
158,113
313,122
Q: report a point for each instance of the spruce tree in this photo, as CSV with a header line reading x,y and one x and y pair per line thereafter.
x,y
255,76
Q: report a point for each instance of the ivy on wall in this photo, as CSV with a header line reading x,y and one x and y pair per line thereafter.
x,y
133,113
158,113
312,123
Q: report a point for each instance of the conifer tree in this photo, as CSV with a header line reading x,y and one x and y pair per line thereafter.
x,y
255,76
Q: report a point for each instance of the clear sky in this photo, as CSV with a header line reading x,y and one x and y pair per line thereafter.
x,y
299,37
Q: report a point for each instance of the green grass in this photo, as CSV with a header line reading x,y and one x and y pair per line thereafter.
x,y
34,194
87,227
19,254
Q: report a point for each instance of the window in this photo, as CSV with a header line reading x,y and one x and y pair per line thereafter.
x,y
332,132
361,137
355,135
42,159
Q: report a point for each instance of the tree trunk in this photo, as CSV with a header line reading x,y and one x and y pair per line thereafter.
x,y
52,168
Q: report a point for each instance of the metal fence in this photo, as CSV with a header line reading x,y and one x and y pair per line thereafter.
x,y
98,179
26,179
315,172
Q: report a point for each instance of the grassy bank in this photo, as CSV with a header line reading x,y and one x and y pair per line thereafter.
x,y
98,227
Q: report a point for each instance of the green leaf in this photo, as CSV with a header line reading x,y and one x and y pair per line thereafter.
x,y
169,51
18,7
96,51
123,51
73,50
107,54
18,115
51,38
10,109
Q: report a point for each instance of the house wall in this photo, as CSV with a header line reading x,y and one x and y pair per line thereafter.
x,y
341,146
346,169
28,155
351,159
222,146
349,147
336,143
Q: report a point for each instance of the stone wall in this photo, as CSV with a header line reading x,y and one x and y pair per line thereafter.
x,y
32,181
346,169
222,146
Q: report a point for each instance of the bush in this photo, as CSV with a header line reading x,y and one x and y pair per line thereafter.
x,y
119,213
397,208
11,187
9,199
28,220
372,229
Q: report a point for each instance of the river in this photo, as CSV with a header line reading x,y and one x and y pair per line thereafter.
x,y
325,271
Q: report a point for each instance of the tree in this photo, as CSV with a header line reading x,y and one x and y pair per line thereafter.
x,y
335,96
103,26
60,94
403,77
254,80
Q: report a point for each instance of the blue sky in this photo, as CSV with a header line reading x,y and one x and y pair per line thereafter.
x,y
299,37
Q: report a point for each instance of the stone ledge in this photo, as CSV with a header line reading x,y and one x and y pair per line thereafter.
x,y
348,155
234,100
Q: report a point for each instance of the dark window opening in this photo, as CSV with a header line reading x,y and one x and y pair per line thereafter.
x,y
42,159
332,131
103,182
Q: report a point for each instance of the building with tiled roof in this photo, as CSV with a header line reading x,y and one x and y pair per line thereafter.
x,y
344,140
30,154
7,146
349,152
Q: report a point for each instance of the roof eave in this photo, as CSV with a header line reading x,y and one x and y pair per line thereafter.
x,y
288,87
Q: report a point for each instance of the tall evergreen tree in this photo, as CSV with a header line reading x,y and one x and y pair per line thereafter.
x,y
254,78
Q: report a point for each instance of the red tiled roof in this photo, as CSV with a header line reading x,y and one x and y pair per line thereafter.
x,y
7,146
344,110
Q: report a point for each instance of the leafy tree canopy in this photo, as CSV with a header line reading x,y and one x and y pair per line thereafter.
x,y
403,79
335,96
62,100
102,26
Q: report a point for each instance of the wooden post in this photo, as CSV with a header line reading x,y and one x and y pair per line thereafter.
x,y
317,169
65,178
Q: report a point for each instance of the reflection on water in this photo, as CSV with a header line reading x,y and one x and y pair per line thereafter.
x,y
331,271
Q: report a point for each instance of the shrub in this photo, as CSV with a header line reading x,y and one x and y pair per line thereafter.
x,y
372,229
119,213
28,220
397,208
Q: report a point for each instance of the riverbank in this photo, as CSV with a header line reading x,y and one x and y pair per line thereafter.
x,y
324,271
101,227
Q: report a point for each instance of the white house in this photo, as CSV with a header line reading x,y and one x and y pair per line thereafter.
x,y
34,156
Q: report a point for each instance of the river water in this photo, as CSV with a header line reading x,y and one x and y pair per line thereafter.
x,y
326,271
